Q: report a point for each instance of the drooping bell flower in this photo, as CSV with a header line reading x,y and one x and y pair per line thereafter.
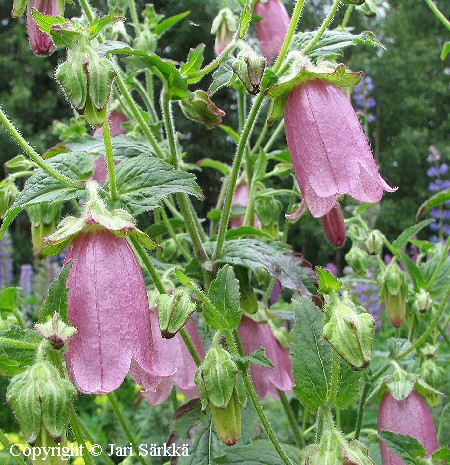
x,y
40,42
329,151
240,197
410,417
272,29
333,226
116,118
266,380
108,305
179,363
223,27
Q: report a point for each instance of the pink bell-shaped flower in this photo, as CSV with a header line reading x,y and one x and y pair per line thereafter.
x,y
240,197
108,305
272,29
266,380
179,362
333,226
329,150
40,42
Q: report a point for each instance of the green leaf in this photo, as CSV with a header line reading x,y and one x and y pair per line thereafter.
x,y
231,132
442,454
65,35
143,181
328,283
45,22
10,299
224,296
408,233
42,188
243,231
261,452
163,26
99,24
311,356
258,357
14,360
434,201
348,390
244,21
406,447
56,300
222,76
194,61
215,164
445,50
441,281
160,229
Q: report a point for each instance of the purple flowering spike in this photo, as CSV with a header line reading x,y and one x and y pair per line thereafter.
x,y
410,417
108,305
40,42
329,151
158,385
272,29
266,380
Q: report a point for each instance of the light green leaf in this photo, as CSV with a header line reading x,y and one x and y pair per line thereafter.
x,y
328,283
222,76
434,201
99,24
163,26
408,233
406,447
244,21
194,61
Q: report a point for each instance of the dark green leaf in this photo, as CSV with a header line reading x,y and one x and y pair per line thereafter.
x,y
441,281
99,24
406,447
41,187
434,201
224,296
194,61
160,229
243,231
311,356
222,76
10,299
348,390
258,357
56,300
143,181
409,233
163,26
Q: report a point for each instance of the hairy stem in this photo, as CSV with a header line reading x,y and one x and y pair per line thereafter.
x,y
109,159
438,13
299,439
75,424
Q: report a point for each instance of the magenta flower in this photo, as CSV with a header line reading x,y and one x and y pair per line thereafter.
x,y
108,305
179,363
240,197
40,42
266,380
333,226
271,30
329,151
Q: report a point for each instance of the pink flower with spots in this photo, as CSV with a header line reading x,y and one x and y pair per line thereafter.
x,y
40,42
271,30
329,150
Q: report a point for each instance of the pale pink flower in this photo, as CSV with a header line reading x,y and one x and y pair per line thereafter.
x,y
266,380
178,362
333,226
240,197
329,150
271,30
40,42
108,305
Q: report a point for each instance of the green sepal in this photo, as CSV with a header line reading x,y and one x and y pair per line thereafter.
x,y
227,421
174,311
101,74
249,67
72,77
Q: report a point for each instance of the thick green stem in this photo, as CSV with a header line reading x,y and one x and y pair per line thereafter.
x,y
133,13
322,28
173,235
246,132
274,136
109,159
299,439
289,35
89,437
438,13
347,15
15,134
87,10
75,424
215,63
148,103
430,328
8,446
190,346
126,430
361,409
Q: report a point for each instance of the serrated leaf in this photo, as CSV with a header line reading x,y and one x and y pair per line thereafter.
x,y
56,300
142,182
328,283
10,299
406,447
99,24
222,76
163,26
41,187
258,357
311,356
194,61
440,282
442,454
224,296
244,21
408,233
45,22
348,391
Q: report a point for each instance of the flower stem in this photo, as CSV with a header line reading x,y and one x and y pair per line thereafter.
x,y
75,424
89,437
325,24
9,126
190,346
430,328
290,33
347,15
246,132
87,10
133,14
361,409
438,13
215,63
274,135
173,235
8,446
299,439
109,159
115,406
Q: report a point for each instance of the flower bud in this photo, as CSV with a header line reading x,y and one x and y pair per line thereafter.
x,y
40,398
227,421
357,259
393,289
423,301
432,374
43,219
268,210
348,331
374,242
368,8
410,417
224,26
56,331
174,311
146,40
8,194
249,67
118,7
333,226
199,107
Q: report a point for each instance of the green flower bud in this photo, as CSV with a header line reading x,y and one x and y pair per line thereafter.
x,y
393,289
374,242
423,301
199,107
43,443
170,250
44,218
349,331
8,194
368,8
358,260
174,311
268,211
249,67
248,300
146,40
118,7
40,399
227,421
18,164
